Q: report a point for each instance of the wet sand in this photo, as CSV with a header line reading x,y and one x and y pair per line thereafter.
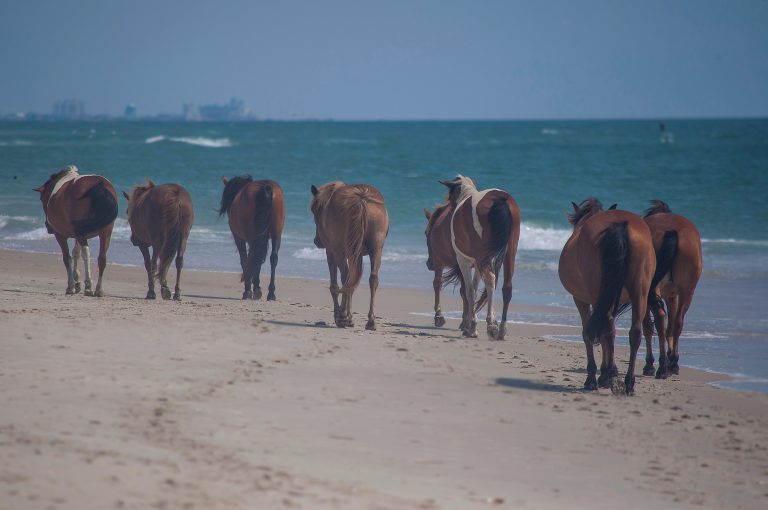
x,y
214,402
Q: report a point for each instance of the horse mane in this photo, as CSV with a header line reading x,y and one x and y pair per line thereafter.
x,y
59,174
231,189
439,208
458,188
324,193
140,189
657,207
586,208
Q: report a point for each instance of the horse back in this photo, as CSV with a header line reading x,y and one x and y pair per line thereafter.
x,y
342,218
440,238
258,206
474,228
82,207
687,265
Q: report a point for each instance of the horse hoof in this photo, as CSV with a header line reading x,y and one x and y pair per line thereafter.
x,y
502,332
78,287
629,385
247,294
649,370
69,291
604,382
469,334
150,295
165,292
590,384
662,373
493,330
439,321
370,326
675,370
341,324
271,297
177,296
99,293
257,295
88,292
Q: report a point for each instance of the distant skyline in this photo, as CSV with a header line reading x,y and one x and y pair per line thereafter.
x,y
419,59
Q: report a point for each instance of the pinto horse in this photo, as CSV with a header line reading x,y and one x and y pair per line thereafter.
x,y
441,256
608,260
256,211
678,268
161,218
80,207
351,222
485,229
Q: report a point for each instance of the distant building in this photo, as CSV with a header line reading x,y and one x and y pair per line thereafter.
x,y
130,111
233,110
69,109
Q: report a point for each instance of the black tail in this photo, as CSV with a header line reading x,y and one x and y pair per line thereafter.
x,y
501,220
103,210
451,276
614,248
665,256
263,213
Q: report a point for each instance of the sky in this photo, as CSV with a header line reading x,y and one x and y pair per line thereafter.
x,y
392,59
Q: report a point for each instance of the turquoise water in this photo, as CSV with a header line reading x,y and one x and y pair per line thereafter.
x,y
713,171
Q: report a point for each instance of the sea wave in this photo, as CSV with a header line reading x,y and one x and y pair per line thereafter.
x,y
739,242
550,132
540,238
311,253
200,141
15,143
30,235
6,220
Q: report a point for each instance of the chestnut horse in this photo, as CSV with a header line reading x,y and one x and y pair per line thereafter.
x,y
256,211
441,256
351,222
161,218
678,268
607,261
485,229
80,207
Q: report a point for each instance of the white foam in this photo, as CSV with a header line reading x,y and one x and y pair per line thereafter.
x,y
312,253
550,131
154,139
15,143
742,242
200,141
30,235
539,238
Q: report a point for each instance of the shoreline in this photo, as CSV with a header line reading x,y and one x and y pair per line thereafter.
x,y
215,402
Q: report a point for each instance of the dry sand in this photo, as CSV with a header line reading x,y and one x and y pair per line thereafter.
x,y
216,403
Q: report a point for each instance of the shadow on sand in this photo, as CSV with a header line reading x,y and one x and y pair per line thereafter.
x,y
527,384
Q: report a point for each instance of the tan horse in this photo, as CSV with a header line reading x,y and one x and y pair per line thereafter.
x,y
679,263
80,207
485,229
256,211
607,261
351,222
160,218
441,256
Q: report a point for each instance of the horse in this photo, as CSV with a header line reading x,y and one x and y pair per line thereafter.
x,y
161,218
608,261
351,221
441,256
678,268
485,230
80,207
256,211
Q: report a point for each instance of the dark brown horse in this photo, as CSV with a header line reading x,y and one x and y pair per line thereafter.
x,y
678,268
607,261
80,207
441,256
485,229
351,222
160,218
256,212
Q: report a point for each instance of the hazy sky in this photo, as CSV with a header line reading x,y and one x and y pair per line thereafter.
x,y
391,59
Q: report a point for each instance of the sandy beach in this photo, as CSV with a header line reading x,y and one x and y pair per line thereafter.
x,y
214,402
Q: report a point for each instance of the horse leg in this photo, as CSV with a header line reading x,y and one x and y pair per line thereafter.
x,y
343,321
273,266
347,292
437,283
104,237
179,265
373,281
648,369
259,247
660,319
85,252
673,308
469,292
75,272
67,259
492,326
150,275
591,383
608,369
243,252
333,271
639,307
685,303
506,289
162,273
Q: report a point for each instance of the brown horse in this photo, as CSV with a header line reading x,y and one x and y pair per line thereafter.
x,y
351,222
607,261
485,229
441,256
678,268
256,212
161,218
80,207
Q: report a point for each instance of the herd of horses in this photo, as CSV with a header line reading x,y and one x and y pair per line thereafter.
x,y
614,259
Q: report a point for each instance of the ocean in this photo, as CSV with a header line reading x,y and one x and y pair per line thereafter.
x,y
715,172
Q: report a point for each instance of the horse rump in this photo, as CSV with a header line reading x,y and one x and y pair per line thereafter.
x,y
501,220
614,249
665,256
103,210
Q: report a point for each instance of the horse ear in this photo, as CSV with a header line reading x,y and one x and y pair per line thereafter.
x,y
614,206
127,197
224,180
39,190
314,190
427,214
447,184
575,207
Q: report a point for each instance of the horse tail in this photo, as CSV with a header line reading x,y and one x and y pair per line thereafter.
x,y
665,256
358,227
614,248
451,276
103,210
264,212
501,221
172,217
